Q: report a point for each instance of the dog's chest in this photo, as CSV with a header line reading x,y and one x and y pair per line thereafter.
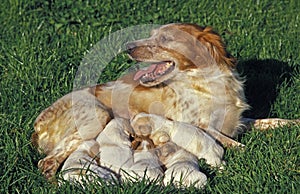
x,y
190,103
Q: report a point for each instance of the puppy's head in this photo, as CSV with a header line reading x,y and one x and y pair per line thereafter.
x,y
178,47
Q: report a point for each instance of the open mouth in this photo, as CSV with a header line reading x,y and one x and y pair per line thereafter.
x,y
155,71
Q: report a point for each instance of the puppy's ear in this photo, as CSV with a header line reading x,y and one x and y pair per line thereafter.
x,y
216,47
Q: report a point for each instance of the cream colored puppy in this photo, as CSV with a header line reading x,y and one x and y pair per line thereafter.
x,y
186,136
182,167
83,164
146,164
115,150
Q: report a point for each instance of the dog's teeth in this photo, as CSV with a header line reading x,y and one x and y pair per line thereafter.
x,y
169,64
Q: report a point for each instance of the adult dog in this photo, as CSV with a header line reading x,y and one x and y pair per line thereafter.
x,y
191,79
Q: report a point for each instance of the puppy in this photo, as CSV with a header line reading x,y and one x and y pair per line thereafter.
x,y
187,136
83,165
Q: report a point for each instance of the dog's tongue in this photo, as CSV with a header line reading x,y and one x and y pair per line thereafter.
x,y
140,73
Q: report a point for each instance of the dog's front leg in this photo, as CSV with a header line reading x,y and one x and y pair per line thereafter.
x,y
56,157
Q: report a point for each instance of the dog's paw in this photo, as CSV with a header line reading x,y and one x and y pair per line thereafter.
x,y
48,167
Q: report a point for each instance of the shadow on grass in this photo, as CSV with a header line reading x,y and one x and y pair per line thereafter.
x,y
263,78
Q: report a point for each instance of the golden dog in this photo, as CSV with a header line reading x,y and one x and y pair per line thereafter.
x,y
190,88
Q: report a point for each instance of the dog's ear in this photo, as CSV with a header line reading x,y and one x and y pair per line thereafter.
x,y
213,42
216,47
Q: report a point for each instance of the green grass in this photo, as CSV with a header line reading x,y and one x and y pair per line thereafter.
x,y
42,44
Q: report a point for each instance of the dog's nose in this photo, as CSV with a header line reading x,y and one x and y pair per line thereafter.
x,y
130,46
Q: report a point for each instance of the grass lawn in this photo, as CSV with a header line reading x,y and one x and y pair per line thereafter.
x,y
42,44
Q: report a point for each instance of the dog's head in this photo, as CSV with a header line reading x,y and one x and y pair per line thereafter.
x,y
178,47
